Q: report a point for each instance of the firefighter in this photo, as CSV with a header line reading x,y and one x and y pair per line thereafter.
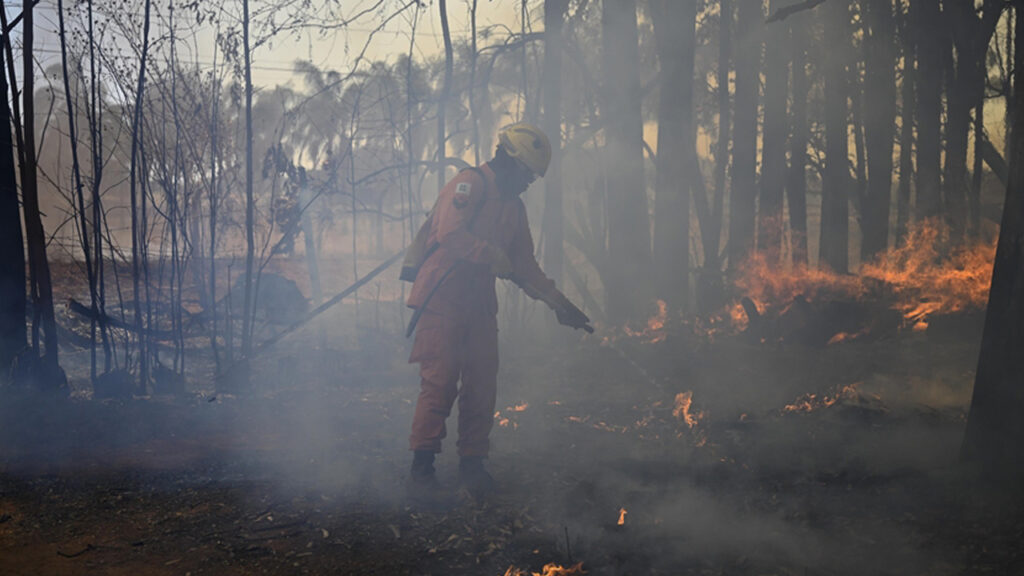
x,y
477,232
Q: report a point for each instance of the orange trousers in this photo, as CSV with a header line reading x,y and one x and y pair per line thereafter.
x,y
454,346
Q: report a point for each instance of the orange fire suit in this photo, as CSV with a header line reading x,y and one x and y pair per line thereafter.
x,y
457,334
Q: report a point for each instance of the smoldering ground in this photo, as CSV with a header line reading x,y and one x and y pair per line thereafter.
x,y
829,460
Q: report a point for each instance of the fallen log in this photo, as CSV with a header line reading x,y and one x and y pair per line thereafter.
x,y
821,322
233,368
109,321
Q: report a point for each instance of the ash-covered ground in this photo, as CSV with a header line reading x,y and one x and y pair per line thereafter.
x,y
728,457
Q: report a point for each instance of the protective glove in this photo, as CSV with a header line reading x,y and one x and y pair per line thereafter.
x,y
501,266
569,315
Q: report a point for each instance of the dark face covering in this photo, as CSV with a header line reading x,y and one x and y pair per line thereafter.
x,y
512,176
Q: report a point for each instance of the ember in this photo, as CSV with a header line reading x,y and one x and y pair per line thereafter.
x,y
810,402
505,422
654,332
622,516
549,570
682,410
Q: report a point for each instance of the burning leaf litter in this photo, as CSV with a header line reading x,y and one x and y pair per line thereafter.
x,y
654,332
684,400
925,277
916,279
851,394
549,570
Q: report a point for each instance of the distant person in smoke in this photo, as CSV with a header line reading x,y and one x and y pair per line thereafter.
x,y
476,232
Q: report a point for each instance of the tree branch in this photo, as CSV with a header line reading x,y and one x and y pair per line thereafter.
x,y
787,11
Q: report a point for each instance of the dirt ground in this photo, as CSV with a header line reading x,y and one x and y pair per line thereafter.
x,y
728,457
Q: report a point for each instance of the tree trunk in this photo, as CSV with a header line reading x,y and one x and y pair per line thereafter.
x,y
907,100
442,102
250,242
473,56
95,110
974,197
1008,87
796,185
312,261
212,199
712,237
773,156
39,268
744,149
960,20
926,21
834,252
994,427
79,194
879,124
674,28
554,215
12,248
138,237
629,236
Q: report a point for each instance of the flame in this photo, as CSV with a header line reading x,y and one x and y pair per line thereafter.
x,y
682,410
622,516
654,332
926,283
811,402
611,427
505,422
549,570
771,287
845,337
928,274
657,322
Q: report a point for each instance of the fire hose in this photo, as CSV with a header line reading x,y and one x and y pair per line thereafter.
x,y
528,288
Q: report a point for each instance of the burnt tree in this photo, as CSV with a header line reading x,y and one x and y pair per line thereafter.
x,y
906,174
796,177
879,123
711,229
970,32
629,239
12,248
773,152
39,267
833,248
137,227
995,429
554,219
744,149
926,21
248,304
674,29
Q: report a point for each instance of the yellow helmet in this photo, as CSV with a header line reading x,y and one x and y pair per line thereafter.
x,y
526,143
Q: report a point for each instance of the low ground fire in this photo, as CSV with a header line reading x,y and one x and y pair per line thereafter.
x,y
512,288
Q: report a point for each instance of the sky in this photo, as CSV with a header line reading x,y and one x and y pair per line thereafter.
x,y
273,63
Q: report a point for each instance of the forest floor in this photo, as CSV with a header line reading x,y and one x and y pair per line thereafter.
x,y
728,457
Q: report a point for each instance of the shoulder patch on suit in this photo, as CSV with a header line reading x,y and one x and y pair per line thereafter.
x,y
461,198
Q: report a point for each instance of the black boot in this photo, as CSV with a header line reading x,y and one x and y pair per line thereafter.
x,y
422,466
422,486
474,477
